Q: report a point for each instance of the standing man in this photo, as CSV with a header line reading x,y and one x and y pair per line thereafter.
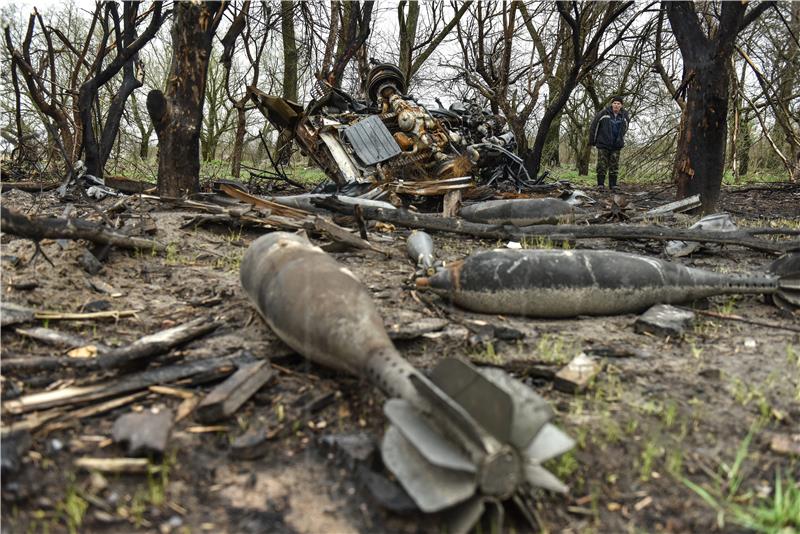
x,y
607,133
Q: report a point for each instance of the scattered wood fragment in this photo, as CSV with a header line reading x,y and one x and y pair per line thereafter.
x,y
558,233
577,374
254,443
228,220
11,314
341,235
80,394
57,338
416,328
113,465
184,394
451,203
155,344
739,318
207,429
34,364
678,206
89,316
226,398
274,207
38,228
29,186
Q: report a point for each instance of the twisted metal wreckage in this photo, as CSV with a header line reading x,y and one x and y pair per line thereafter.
x,y
391,143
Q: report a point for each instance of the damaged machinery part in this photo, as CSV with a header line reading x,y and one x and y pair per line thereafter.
x,y
392,137
457,439
557,283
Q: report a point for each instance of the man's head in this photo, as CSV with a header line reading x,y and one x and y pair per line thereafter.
x,y
616,103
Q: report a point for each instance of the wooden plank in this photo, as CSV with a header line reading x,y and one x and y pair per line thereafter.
x,y
155,344
577,374
451,203
113,465
229,396
676,207
126,384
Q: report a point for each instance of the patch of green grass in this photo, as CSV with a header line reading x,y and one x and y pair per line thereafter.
x,y
72,508
728,307
778,513
651,452
670,414
488,354
563,466
306,175
553,349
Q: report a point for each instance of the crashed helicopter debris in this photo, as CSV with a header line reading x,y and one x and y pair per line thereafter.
x,y
459,437
392,141
568,283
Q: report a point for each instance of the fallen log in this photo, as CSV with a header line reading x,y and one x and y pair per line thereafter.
x,y
155,344
38,228
562,232
74,395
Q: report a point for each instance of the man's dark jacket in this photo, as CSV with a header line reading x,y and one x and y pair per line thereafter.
x,y
601,131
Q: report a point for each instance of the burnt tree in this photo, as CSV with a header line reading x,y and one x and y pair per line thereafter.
x,y
127,45
700,158
177,114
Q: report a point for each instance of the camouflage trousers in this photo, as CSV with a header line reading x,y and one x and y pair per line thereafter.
x,y
607,162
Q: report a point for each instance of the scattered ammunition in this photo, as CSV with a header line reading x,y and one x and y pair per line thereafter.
x,y
458,438
520,212
567,283
419,246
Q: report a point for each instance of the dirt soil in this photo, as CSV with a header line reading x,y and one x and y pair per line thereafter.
x,y
662,415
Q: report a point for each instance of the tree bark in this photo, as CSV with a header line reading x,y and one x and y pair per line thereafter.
x,y
128,44
700,157
177,114
289,73
238,143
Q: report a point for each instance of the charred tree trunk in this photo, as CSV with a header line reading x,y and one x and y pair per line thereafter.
x,y
700,157
128,44
238,143
178,114
289,73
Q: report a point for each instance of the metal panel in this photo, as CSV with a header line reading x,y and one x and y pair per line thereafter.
x,y
432,488
434,447
371,140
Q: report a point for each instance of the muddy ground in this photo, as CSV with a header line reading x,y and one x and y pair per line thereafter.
x,y
664,414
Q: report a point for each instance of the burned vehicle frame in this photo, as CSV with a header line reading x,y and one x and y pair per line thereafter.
x,y
392,143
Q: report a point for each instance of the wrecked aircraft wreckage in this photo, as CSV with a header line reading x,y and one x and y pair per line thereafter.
x,y
392,143
458,438
568,283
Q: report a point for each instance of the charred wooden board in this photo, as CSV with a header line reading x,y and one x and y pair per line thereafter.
x,y
226,398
